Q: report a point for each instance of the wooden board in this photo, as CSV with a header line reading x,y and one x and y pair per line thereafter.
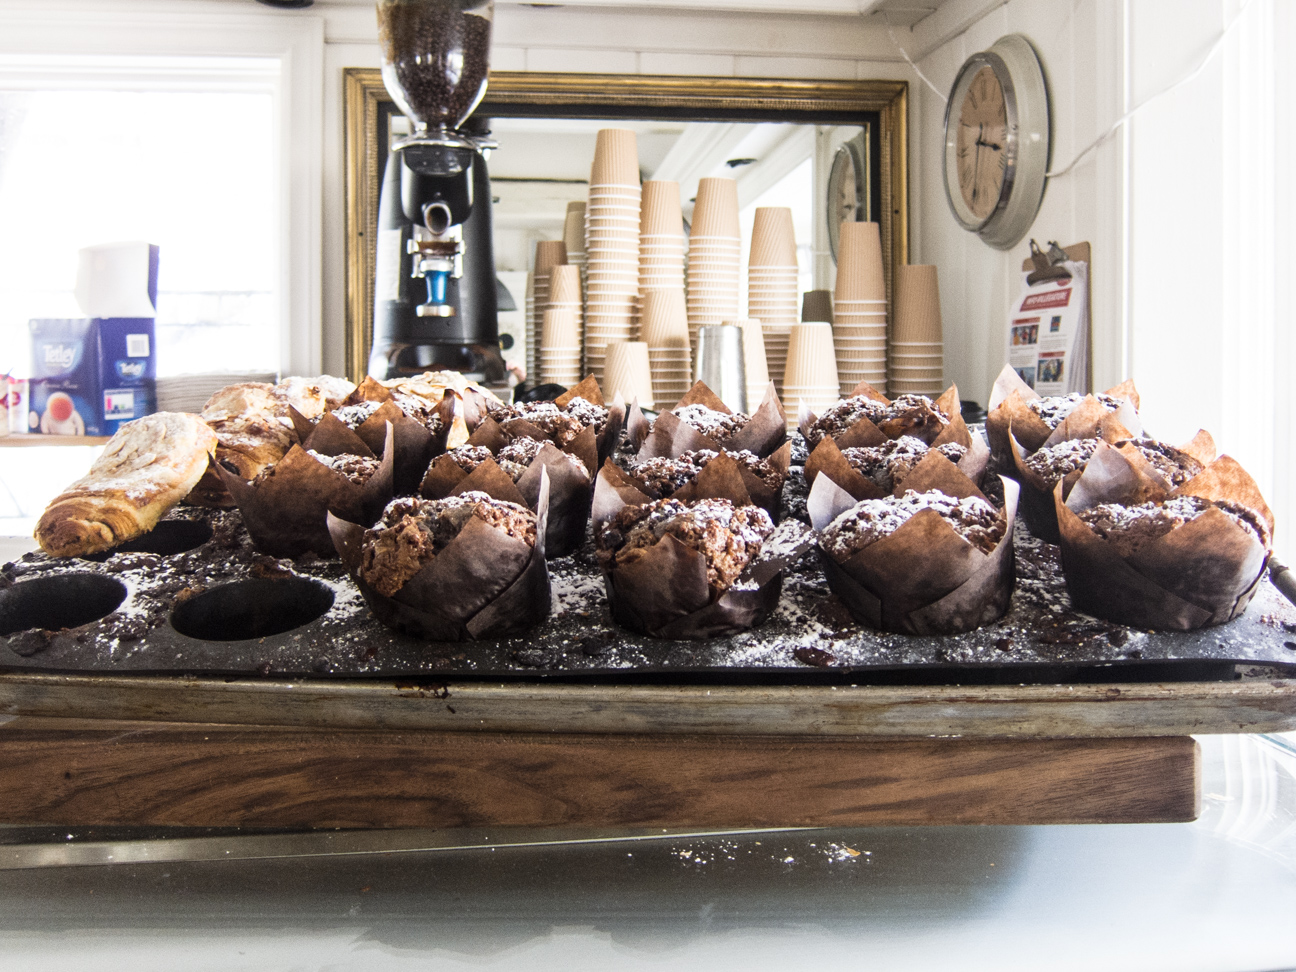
x,y
94,773
1260,703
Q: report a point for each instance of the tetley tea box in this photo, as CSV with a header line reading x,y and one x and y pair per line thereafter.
x,y
90,376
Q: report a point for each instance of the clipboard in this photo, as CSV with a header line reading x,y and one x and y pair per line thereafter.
x,y
1077,253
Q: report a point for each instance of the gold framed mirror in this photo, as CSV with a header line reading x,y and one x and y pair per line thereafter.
x,y
879,107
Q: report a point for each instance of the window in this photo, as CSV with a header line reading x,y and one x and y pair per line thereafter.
x,y
110,150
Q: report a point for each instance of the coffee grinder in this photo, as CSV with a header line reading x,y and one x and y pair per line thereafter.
x,y
434,281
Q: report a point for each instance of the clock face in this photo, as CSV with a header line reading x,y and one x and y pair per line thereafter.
x,y
982,143
846,199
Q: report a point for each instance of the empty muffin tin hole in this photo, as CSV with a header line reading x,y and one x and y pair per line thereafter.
x,y
254,608
167,538
61,601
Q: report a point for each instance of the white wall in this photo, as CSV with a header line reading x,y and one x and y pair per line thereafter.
x,y
1080,47
1185,208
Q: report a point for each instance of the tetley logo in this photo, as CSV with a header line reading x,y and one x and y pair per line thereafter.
x,y
62,356
130,369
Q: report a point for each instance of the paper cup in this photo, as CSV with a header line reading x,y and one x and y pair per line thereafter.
x,y
716,211
817,305
859,263
773,240
616,158
917,305
627,372
811,359
664,319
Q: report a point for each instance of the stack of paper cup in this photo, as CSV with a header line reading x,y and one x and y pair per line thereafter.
x,y
816,305
917,344
772,284
574,237
565,294
663,327
755,361
811,376
714,256
611,245
560,350
859,308
529,319
661,239
628,373
548,254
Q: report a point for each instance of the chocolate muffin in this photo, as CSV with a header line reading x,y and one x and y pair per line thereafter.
x,y
420,409
1130,528
561,424
358,469
514,458
1053,410
412,531
717,426
664,476
469,457
1174,464
887,465
1055,462
726,535
868,521
913,415
354,416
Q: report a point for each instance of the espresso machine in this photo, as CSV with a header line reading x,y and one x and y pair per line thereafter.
x,y
434,281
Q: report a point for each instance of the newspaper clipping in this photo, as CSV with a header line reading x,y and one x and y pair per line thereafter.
x,y
1048,333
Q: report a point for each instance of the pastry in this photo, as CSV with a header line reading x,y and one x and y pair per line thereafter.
x,y
1052,410
715,425
145,469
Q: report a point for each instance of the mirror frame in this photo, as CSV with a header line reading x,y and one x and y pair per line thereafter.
x,y
614,96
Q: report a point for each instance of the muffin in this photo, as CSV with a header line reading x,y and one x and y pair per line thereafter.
x,y
562,425
1128,529
357,469
664,475
715,425
869,521
413,531
1054,409
726,536
911,415
887,465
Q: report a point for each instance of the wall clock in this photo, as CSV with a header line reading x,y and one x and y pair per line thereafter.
x,y
848,189
997,142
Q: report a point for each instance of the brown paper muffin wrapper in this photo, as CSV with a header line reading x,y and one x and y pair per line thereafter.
x,y
570,488
615,488
638,427
923,579
286,514
1202,573
1007,410
763,435
665,594
483,585
415,445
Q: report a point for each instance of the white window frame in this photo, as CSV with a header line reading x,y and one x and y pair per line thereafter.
x,y
62,41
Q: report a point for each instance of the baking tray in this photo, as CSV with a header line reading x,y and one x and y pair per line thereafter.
x,y
222,588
